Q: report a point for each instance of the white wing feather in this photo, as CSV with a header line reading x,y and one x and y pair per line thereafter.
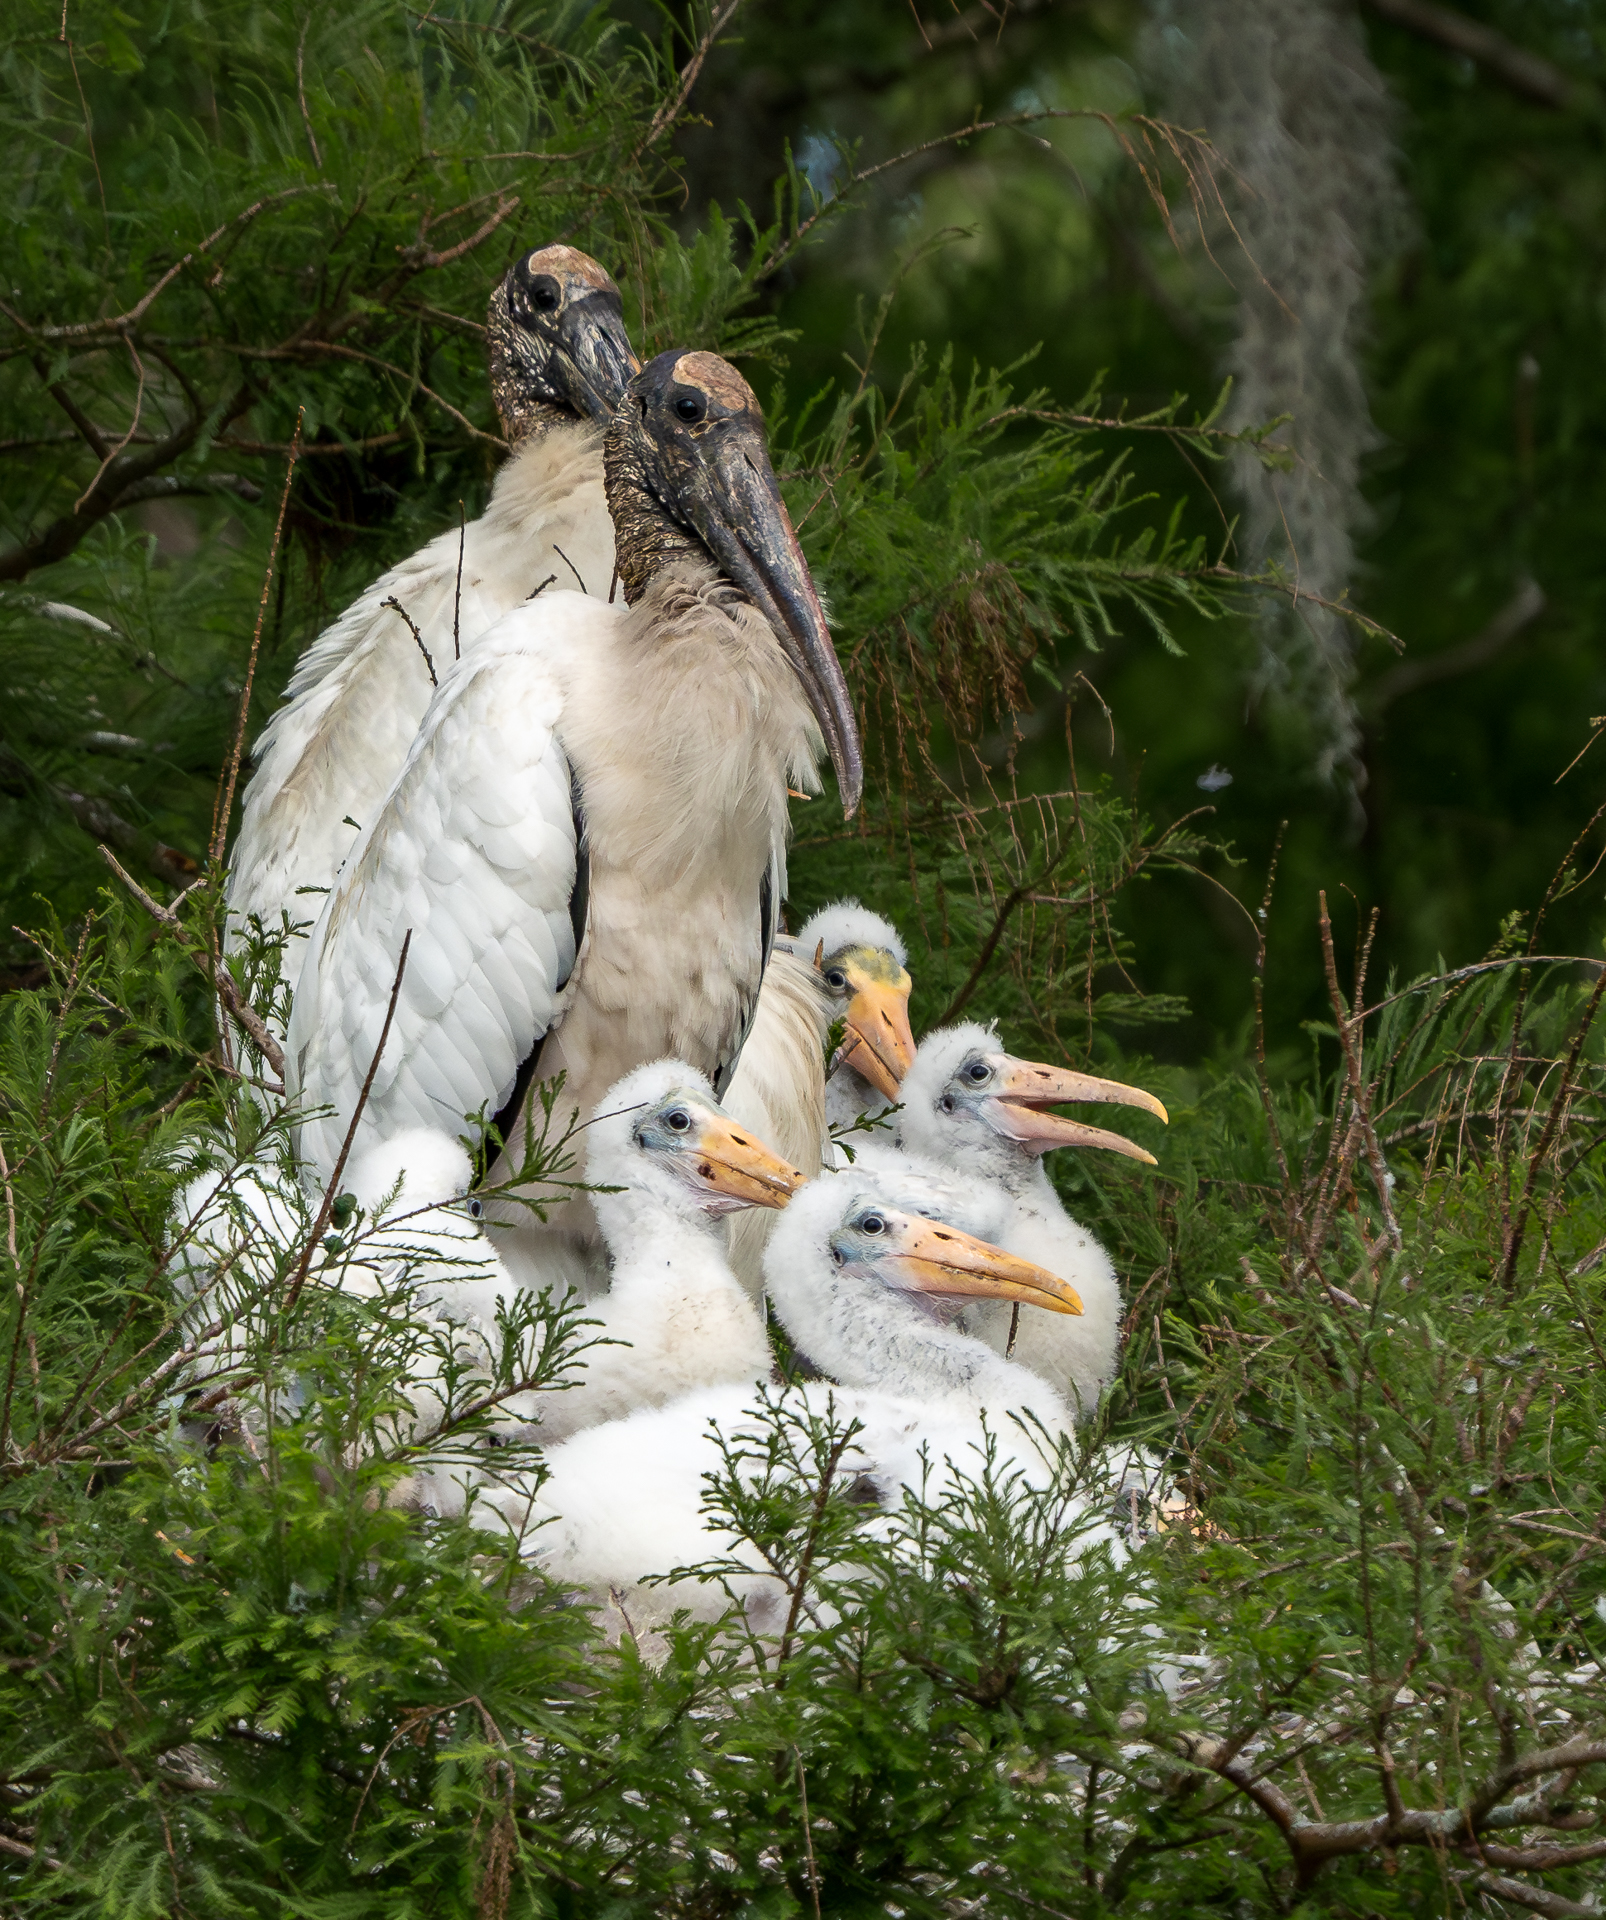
x,y
330,754
474,853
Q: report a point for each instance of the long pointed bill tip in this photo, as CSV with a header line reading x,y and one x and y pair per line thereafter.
x,y
938,1259
1041,1132
1029,1082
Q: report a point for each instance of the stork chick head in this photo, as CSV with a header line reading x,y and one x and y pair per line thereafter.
x,y
688,477
557,342
863,964
662,1136
845,1257
968,1103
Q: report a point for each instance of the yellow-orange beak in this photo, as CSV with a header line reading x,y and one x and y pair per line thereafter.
x,y
1027,1089
933,1258
726,1160
877,1043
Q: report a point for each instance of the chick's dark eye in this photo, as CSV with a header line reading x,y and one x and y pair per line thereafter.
x,y
689,407
545,300
873,1223
678,1120
836,978
976,1071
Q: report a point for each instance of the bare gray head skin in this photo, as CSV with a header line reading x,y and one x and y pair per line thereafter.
x,y
687,467
557,344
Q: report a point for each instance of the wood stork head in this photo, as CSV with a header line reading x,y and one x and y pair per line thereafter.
x,y
862,963
689,477
967,1103
662,1138
556,336
861,1283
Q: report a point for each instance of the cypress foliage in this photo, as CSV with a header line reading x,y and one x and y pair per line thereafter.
x,y
1346,1656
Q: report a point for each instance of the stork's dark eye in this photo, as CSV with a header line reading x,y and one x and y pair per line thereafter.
x,y
540,293
691,406
946,1103
836,978
678,1120
978,1071
872,1223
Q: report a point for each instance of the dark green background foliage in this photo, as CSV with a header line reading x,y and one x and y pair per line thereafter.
x,y
1364,1327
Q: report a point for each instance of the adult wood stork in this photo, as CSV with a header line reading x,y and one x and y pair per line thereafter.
x,y
660,734
970,1108
559,360
870,1290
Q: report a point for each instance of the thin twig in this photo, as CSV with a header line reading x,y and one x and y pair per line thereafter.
x,y
397,607
117,447
1360,1094
669,112
457,591
333,1188
301,93
224,805
808,1837
239,1009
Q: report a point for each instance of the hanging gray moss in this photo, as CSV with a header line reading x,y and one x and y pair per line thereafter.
x,y
1304,129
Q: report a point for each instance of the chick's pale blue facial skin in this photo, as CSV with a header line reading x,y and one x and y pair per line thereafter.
x,y
719,1159
915,1255
1012,1097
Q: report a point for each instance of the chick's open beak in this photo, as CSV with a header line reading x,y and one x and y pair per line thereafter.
x,y
877,1043
931,1257
1027,1089
727,1161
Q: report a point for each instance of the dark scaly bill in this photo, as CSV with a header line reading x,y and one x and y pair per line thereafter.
x,y
696,442
557,336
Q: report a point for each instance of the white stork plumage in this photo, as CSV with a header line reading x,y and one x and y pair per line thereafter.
x,y
559,360
869,1290
657,737
971,1109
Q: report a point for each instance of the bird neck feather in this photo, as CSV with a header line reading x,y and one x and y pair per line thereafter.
x,y
647,538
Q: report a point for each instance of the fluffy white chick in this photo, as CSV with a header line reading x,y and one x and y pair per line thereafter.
x,y
978,1112
864,968
676,1313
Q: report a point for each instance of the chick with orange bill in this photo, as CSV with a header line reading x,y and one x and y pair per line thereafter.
x,y
980,1114
864,969
674,1317
844,964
